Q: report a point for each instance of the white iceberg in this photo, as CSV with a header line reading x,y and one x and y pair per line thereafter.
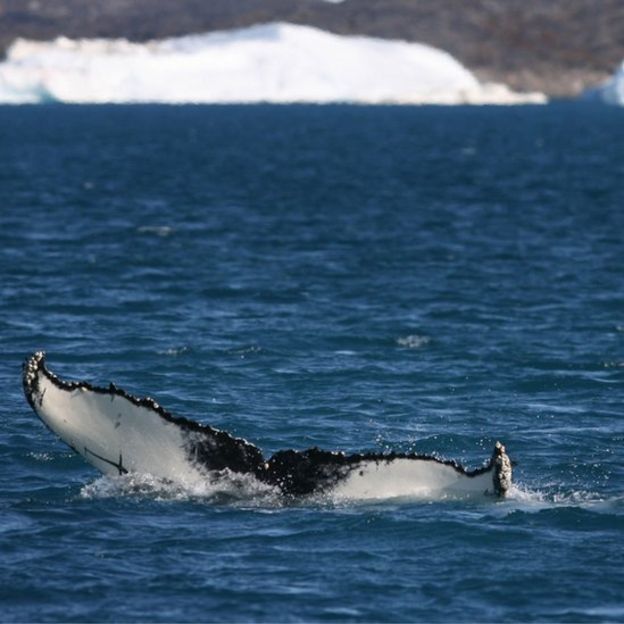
x,y
612,91
266,63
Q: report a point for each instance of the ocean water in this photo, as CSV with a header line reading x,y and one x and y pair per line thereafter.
x,y
427,279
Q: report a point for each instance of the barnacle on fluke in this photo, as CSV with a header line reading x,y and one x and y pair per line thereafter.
x,y
119,433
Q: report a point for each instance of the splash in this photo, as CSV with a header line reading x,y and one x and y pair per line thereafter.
x,y
245,491
534,499
224,488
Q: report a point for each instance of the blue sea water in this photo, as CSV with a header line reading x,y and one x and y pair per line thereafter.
x,y
427,279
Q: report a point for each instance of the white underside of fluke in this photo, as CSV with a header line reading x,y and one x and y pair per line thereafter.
x,y
411,478
114,435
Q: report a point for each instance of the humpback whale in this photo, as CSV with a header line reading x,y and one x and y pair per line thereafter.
x,y
118,433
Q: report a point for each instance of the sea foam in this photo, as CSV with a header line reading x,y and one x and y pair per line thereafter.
x,y
276,62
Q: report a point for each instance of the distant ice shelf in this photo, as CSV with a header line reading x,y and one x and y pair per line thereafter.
x,y
266,63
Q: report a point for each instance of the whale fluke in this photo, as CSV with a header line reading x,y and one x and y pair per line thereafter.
x,y
119,433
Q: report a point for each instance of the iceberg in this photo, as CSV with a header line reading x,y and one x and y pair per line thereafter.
x,y
612,91
279,62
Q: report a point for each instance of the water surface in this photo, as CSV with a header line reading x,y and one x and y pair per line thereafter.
x,y
427,279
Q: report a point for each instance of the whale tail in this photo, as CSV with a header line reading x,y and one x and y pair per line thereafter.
x,y
119,433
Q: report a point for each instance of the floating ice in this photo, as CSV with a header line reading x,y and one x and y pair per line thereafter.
x,y
413,341
266,63
612,91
